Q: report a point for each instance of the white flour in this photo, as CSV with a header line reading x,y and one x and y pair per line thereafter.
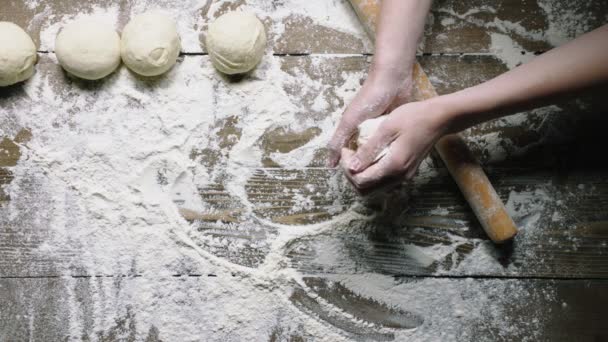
x,y
509,51
191,17
565,20
107,159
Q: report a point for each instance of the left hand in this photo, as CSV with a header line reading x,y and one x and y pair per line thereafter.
x,y
410,132
385,88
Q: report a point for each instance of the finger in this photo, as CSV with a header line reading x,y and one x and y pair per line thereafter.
x,y
342,134
358,111
382,171
368,153
385,183
345,157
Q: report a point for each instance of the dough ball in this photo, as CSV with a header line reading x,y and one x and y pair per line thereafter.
x,y
17,54
88,49
150,44
236,42
367,129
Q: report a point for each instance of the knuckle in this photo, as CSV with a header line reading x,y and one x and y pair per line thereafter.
x,y
409,175
366,151
395,167
384,127
332,146
388,127
396,163
356,181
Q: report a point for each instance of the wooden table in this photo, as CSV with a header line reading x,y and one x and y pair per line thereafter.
x,y
560,255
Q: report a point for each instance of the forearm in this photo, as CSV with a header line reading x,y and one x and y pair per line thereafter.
x,y
576,65
399,30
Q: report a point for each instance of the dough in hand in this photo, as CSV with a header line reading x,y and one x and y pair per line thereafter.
x,y
367,129
88,49
236,42
17,54
150,43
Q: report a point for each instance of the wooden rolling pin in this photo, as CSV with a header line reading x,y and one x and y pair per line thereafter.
x,y
464,168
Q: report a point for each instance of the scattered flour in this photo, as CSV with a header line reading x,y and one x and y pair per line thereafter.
x,y
53,23
108,157
470,302
193,16
509,51
110,162
564,21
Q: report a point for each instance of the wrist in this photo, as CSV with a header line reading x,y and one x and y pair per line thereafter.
x,y
466,108
447,114
396,71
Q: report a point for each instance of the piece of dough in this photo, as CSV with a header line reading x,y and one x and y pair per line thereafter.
x,y
150,43
236,42
17,54
367,129
88,49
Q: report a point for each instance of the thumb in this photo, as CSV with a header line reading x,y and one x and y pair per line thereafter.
x,y
346,157
342,134
369,152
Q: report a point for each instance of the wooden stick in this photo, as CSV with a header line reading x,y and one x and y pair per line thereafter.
x,y
453,150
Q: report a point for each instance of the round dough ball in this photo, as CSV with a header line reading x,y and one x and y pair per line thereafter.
x,y
17,54
236,42
88,49
150,43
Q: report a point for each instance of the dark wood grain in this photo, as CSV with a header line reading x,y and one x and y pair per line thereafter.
x,y
44,309
452,27
540,310
556,154
547,310
400,240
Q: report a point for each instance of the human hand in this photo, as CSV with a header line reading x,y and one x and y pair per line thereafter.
x,y
385,89
409,132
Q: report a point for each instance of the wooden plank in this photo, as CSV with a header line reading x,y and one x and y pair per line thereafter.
x,y
9,156
555,304
296,28
531,159
110,309
452,27
303,31
296,197
21,234
60,309
32,309
419,239
284,196
469,26
35,16
428,213
527,159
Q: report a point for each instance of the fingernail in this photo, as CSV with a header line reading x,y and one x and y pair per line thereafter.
x,y
355,164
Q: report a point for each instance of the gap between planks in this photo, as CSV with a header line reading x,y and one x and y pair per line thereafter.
x,y
139,275
347,55
395,276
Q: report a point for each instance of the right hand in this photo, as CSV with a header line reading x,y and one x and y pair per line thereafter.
x,y
408,133
384,90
